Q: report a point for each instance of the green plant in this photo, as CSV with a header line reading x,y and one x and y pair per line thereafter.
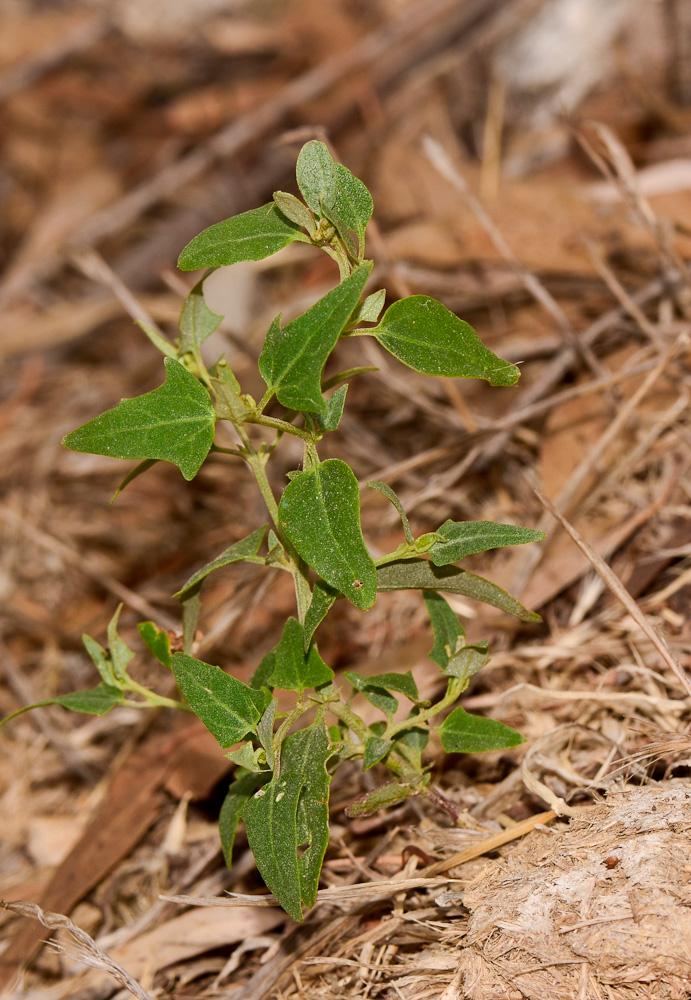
x,y
285,760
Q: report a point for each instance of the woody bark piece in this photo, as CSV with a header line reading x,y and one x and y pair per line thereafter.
x,y
131,807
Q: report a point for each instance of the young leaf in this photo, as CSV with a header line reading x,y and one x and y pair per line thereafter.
x,y
295,669
467,661
119,652
252,235
415,740
464,733
401,683
270,817
228,708
92,701
102,661
369,310
233,804
377,696
449,634
385,796
331,418
353,203
293,358
157,642
316,176
248,758
174,423
245,549
320,511
376,749
420,574
305,753
197,321
464,538
390,495
294,210
426,336
323,599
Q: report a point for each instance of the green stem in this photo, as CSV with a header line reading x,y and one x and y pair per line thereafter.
x,y
280,425
152,699
453,691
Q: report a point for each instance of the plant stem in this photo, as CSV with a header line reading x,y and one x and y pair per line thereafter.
x,y
455,688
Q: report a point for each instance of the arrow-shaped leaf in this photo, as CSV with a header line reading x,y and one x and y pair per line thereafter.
x,y
93,701
320,512
294,669
293,357
174,423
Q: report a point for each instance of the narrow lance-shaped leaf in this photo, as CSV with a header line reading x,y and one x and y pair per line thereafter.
x,y
294,669
320,512
401,683
331,418
375,484
270,817
323,599
306,753
252,235
245,549
464,538
464,733
197,321
293,358
228,708
449,634
239,792
93,701
420,574
426,336
174,423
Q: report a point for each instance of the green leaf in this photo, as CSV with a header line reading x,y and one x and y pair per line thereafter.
x,y
317,176
466,661
415,739
376,749
293,358
401,683
320,512
420,574
265,731
92,701
323,599
228,708
270,817
119,652
252,235
231,810
101,660
349,373
295,669
426,336
306,753
353,203
390,495
294,210
331,418
249,758
174,423
385,796
369,310
163,345
377,696
197,321
138,470
464,538
245,549
449,634
464,733
157,642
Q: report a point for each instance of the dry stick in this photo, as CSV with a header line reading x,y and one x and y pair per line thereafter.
x,y
619,292
93,266
28,71
441,162
85,566
621,593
